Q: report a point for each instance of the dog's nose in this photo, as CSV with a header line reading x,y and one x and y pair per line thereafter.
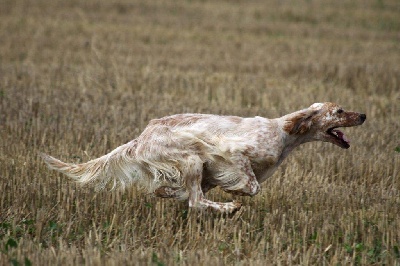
x,y
363,117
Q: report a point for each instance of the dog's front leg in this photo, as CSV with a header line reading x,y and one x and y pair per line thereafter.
x,y
245,183
193,175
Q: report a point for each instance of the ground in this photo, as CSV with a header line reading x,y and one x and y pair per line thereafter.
x,y
79,78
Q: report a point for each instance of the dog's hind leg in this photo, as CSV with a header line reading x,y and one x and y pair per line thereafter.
x,y
171,192
193,175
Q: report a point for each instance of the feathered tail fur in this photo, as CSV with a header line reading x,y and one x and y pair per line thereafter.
x,y
119,167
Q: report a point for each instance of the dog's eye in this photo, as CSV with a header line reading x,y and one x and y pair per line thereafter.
x,y
339,111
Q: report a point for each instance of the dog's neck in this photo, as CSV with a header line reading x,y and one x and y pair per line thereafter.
x,y
291,141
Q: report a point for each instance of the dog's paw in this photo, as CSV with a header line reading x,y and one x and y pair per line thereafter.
x,y
232,207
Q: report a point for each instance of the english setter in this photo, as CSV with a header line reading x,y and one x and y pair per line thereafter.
x,y
184,156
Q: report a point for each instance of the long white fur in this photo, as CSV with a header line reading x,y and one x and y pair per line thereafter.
x,y
116,166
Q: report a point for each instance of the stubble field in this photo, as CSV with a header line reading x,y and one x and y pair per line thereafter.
x,y
79,78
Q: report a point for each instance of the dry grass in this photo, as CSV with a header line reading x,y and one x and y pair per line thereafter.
x,y
78,78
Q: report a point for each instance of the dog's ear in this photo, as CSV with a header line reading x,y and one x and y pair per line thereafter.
x,y
301,122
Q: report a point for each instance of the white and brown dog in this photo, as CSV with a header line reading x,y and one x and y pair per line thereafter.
x,y
183,156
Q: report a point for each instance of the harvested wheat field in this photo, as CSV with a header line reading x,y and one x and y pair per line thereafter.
x,y
79,78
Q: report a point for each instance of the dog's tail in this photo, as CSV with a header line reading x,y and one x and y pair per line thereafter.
x,y
118,166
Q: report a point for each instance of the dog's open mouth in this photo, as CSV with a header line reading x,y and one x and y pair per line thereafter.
x,y
338,138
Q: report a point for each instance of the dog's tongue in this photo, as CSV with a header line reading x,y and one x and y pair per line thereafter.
x,y
341,135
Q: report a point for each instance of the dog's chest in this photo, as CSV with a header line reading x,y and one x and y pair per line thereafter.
x,y
264,146
264,168
265,152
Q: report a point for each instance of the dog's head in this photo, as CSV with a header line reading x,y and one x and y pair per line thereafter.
x,y
320,122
